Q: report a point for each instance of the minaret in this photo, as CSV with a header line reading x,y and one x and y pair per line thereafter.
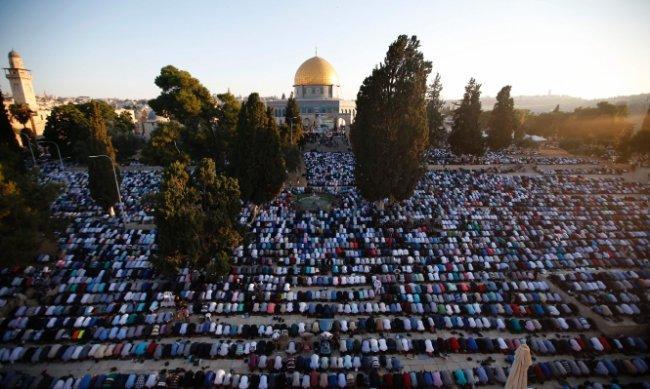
x,y
20,80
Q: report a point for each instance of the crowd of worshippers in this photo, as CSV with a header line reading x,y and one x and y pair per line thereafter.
x,y
329,350
335,139
558,370
591,170
612,294
440,156
75,200
352,288
329,170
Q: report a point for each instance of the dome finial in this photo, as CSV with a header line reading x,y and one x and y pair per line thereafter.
x,y
316,50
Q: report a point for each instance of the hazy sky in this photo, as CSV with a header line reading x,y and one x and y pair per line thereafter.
x,y
587,48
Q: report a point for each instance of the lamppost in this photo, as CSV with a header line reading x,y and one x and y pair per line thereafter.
x,y
291,128
58,151
117,185
29,145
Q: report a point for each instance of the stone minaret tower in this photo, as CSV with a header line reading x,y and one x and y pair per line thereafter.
x,y
22,90
21,81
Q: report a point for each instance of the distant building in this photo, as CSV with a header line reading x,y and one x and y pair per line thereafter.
x,y
131,112
148,121
316,89
22,90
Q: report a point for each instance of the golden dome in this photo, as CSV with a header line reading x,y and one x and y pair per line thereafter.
x,y
316,71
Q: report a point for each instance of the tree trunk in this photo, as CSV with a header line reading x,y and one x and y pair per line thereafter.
x,y
111,211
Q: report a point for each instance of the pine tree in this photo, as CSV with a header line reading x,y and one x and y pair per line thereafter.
x,y
183,97
293,121
7,134
435,118
163,146
258,162
503,121
101,178
466,136
390,133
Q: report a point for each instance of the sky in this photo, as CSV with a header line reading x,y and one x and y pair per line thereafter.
x,y
588,48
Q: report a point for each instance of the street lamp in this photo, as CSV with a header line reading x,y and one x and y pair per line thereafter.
x,y
291,128
117,185
29,145
57,149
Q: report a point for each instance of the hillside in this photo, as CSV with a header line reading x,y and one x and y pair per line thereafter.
x,y
637,104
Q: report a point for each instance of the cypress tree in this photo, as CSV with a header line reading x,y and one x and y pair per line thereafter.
x,y
196,217
258,162
390,133
466,136
435,119
227,114
293,121
179,219
220,206
503,121
100,170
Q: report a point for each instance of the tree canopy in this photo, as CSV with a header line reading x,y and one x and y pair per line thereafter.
x,y
106,111
7,134
435,117
196,217
125,141
293,121
466,136
163,147
390,132
21,112
183,97
24,203
258,163
503,120
600,126
185,100
101,179
69,128
227,116
24,210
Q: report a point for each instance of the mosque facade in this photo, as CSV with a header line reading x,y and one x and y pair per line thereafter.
x,y
317,92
